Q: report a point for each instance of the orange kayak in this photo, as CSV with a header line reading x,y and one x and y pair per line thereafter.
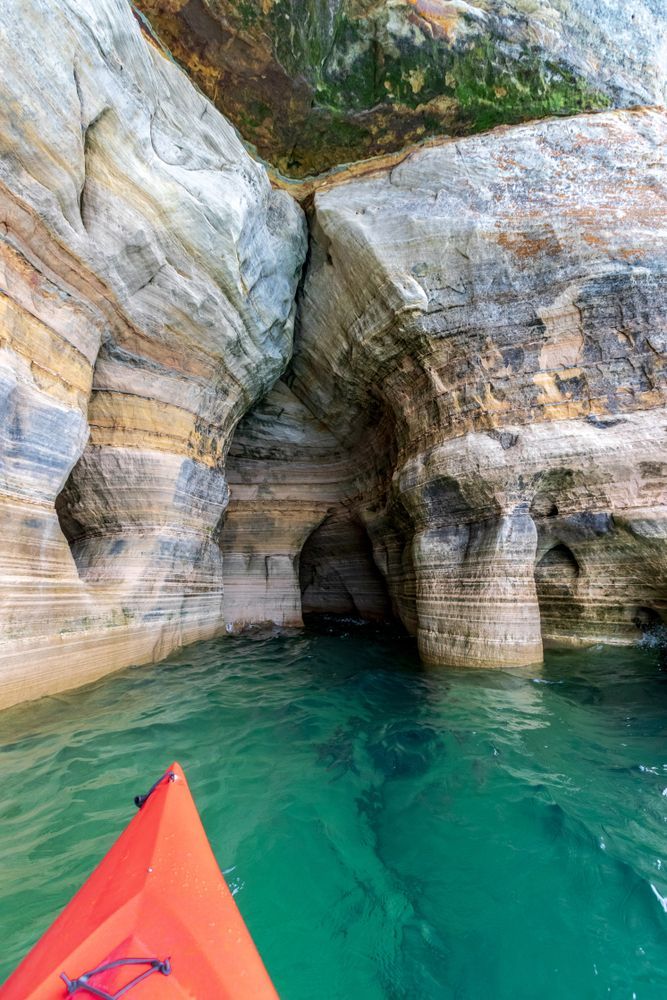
x,y
154,921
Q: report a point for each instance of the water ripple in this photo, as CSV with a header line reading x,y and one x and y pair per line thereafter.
x,y
389,831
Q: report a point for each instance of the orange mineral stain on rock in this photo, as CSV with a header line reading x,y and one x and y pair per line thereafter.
x,y
441,14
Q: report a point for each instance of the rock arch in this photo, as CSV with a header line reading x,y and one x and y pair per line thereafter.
x,y
338,574
556,576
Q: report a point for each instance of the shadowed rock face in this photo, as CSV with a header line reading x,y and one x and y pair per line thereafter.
x,y
298,519
285,470
314,84
148,273
338,575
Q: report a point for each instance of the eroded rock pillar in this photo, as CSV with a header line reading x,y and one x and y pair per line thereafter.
x,y
476,599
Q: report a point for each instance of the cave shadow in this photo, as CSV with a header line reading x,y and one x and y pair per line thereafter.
x,y
341,585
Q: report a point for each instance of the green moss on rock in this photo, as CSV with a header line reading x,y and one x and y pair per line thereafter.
x,y
356,73
492,90
338,80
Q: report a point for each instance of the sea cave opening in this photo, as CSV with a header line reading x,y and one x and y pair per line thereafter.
x,y
338,575
70,526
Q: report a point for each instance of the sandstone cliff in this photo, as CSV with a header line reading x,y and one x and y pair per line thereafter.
x,y
148,276
482,332
465,433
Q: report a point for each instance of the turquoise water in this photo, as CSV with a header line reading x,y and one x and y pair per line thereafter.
x,y
390,832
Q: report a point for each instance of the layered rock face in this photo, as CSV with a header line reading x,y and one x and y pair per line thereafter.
x,y
502,298
148,275
294,538
467,432
316,84
285,471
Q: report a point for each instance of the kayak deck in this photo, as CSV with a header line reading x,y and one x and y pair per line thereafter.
x,y
157,896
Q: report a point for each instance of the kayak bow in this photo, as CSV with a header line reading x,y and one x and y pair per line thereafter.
x,y
155,919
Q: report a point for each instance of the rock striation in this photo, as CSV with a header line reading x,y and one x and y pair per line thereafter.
x,y
502,300
295,538
315,84
454,418
148,273
473,436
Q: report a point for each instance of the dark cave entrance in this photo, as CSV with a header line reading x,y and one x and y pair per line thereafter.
x,y
556,576
338,575
66,502
647,620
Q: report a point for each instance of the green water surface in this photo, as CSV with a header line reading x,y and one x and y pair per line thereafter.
x,y
389,831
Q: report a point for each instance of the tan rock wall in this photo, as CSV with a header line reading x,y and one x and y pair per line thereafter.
x,y
295,490
504,297
471,429
148,276
286,472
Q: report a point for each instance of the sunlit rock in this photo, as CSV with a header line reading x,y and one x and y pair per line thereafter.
x,y
148,272
502,299
466,433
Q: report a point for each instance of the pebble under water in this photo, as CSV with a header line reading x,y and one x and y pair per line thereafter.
x,y
389,831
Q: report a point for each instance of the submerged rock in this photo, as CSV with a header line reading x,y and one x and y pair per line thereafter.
x,y
402,750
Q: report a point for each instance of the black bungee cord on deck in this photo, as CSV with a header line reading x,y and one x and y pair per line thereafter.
x,y
139,800
83,982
